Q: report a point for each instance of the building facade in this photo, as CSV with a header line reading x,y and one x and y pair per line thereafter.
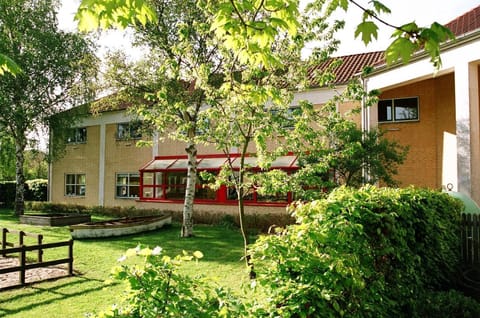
x,y
435,112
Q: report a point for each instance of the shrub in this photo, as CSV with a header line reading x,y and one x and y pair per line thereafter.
x,y
361,253
36,190
156,289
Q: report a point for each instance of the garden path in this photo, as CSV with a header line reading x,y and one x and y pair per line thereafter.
x,y
31,276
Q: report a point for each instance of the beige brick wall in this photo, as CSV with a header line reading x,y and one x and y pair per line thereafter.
x,y
78,158
424,137
121,156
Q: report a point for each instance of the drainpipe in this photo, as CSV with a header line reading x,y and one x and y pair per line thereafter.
x,y
365,118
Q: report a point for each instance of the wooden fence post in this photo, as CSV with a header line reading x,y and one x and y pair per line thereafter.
x,y
40,251
21,235
70,258
22,265
4,240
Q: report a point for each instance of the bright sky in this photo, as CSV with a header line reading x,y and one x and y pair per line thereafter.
x,y
423,12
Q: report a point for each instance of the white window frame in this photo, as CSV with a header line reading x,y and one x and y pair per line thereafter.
x,y
79,189
125,187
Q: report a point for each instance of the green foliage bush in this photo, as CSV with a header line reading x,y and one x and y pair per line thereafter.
x,y
358,253
36,190
156,289
362,253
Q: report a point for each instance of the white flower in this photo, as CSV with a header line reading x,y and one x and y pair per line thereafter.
x,y
157,250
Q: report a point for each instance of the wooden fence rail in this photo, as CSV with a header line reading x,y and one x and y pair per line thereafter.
x,y
40,247
21,239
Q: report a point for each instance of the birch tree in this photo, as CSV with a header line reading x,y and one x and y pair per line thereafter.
x,y
173,86
53,63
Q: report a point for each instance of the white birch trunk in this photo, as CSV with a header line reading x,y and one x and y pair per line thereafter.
x,y
187,224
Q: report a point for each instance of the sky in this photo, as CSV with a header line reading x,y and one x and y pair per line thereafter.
x,y
423,12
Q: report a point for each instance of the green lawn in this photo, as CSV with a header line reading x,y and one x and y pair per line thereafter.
x,y
93,260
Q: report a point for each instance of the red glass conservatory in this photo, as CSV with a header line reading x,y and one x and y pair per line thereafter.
x,y
164,179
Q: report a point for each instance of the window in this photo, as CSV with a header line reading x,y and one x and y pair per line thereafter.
x,y
128,185
75,185
130,130
77,135
398,109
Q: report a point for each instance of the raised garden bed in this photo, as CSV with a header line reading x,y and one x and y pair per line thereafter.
x,y
119,227
57,219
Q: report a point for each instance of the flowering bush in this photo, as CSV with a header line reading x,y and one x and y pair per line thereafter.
x,y
156,289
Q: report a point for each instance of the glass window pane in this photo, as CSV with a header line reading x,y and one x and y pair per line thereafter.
x,y
134,179
148,192
148,178
70,179
385,110
134,191
122,179
122,191
80,179
159,192
70,190
406,108
158,178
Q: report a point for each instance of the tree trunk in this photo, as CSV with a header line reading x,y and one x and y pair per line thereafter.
x,y
187,225
20,145
241,216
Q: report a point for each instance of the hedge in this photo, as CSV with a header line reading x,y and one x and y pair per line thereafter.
x,y
35,190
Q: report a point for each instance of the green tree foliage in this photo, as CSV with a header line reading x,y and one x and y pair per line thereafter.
x,y
54,64
8,65
7,158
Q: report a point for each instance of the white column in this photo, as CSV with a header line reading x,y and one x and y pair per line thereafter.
x,y
101,166
463,129
475,130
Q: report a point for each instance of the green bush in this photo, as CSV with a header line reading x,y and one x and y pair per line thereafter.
x,y
156,289
36,190
361,253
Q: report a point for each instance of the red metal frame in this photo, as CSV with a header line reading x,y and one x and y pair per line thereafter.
x,y
221,194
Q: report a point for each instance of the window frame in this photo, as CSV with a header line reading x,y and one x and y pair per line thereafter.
x,y
154,189
78,138
79,188
132,131
127,186
393,111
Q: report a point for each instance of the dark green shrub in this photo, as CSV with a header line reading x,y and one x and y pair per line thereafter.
x,y
452,304
361,253
7,193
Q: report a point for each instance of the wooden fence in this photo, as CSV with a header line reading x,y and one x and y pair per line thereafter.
x,y
12,248
470,239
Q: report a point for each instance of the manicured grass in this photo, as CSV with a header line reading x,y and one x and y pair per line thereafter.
x,y
93,260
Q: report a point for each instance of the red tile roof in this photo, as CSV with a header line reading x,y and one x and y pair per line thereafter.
x,y
465,23
350,66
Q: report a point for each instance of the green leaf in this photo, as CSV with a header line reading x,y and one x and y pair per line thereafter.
x,y
401,48
367,29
